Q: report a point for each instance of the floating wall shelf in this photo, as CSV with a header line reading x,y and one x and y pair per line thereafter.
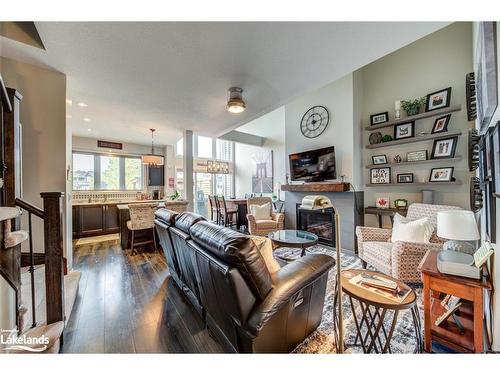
x,y
420,116
415,184
415,139
406,163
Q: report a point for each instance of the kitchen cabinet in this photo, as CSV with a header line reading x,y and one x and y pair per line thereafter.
x,y
95,219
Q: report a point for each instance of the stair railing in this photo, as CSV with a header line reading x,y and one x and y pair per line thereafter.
x,y
53,254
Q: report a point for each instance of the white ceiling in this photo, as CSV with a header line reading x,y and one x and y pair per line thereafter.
x,y
175,76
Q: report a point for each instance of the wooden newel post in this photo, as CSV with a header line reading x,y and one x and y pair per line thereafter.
x,y
53,241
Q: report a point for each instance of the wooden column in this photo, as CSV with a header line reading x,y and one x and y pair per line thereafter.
x,y
54,270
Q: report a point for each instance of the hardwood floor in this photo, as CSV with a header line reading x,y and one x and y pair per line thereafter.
x,y
129,304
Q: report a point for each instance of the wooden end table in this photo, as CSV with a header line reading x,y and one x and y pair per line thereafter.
x,y
380,212
375,310
437,284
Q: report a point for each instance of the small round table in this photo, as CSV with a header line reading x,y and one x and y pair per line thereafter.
x,y
375,308
293,238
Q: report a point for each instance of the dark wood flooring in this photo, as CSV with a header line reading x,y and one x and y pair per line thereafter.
x,y
129,304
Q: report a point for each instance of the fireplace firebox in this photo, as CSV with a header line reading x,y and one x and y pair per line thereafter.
x,y
320,222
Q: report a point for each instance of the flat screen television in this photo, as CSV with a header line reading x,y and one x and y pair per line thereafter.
x,y
314,165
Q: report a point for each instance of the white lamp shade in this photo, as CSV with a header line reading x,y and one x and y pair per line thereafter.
x,y
457,225
151,159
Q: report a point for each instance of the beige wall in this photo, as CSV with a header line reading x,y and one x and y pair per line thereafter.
x,y
437,61
43,118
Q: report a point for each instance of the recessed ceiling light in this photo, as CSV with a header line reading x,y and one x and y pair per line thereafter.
x,y
69,101
82,104
89,130
86,119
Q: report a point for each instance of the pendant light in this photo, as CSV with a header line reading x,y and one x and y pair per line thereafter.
x,y
235,103
152,159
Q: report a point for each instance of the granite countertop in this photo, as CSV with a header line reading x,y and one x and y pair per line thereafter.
x,y
124,206
117,202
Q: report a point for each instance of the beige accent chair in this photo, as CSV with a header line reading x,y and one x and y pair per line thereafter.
x,y
142,216
400,259
264,227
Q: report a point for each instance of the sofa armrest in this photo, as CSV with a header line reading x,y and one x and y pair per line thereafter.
x,y
252,223
366,234
287,281
401,248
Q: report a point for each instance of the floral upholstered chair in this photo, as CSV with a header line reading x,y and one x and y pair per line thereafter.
x,y
263,226
399,259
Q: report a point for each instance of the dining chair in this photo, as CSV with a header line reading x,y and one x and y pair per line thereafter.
x,y
142,217
228,216
213,209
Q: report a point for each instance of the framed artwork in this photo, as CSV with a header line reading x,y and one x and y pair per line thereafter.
x,y
416,155
380,175
379,159
438,99
262,171
495,150
382,203
379,118
441,174
444,148
405,178
486,75
406,130
441,124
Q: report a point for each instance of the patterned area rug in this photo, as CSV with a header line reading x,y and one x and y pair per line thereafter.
x,y
322,340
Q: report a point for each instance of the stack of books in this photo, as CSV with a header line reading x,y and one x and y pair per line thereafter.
x,y
382,286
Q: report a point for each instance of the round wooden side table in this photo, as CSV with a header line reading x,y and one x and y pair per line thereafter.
x,y
376,310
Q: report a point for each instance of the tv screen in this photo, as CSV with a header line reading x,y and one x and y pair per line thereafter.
x,y
314,165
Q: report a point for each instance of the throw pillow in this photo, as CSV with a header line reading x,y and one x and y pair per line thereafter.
x,y
411,231
265,247
261,212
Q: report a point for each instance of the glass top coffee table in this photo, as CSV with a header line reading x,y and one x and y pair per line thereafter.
x,y
293,238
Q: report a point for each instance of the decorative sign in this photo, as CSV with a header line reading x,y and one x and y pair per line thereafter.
x,y
380,176
108,144
171,182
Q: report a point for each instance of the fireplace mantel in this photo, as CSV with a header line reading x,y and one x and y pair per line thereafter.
x,y
317,187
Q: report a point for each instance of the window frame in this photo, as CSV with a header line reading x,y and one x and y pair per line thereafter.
x,y
97,170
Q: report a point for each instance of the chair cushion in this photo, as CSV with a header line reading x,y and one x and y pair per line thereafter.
x,y
185,220
411,231
265,247
263,224
166,215
261,212
236,249
379,255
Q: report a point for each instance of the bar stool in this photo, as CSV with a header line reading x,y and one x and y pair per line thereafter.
x,y
213,209
142,217
228,216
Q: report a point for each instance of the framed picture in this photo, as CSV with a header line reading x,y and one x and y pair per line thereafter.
x,y
262,171
379,159
441,174
382,203
379,118
441,124
437,100
495,150
416,155
405,178
486,75
380,175
444,148
406,130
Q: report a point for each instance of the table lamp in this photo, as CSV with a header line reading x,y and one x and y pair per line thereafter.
x,y
457,226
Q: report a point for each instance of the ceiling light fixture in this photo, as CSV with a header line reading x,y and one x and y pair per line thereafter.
x,y
152,159
82,104
235,103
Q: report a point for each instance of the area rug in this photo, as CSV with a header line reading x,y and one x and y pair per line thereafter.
x,y
322,340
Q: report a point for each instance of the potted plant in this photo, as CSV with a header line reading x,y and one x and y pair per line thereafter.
x,y
412,107
175,195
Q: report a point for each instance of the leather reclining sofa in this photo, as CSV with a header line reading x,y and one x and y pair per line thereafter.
x,y
224,276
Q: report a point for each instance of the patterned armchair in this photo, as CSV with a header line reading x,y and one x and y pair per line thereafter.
x,y
399,259
264,227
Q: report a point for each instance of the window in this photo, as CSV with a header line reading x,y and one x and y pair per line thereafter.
x,y
224,150
179,147
107,172
204,147
83,172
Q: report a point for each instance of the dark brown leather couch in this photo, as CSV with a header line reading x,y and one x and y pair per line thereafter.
x,y
224,276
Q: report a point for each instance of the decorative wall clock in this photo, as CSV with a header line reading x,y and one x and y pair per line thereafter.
x,y
314,121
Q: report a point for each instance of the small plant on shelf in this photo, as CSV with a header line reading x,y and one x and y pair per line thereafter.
x,y
412,107
175,195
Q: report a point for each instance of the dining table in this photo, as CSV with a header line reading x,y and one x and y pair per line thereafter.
x,y
241,206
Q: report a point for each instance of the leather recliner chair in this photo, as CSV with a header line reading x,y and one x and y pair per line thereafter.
x,y
164,219
248,309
